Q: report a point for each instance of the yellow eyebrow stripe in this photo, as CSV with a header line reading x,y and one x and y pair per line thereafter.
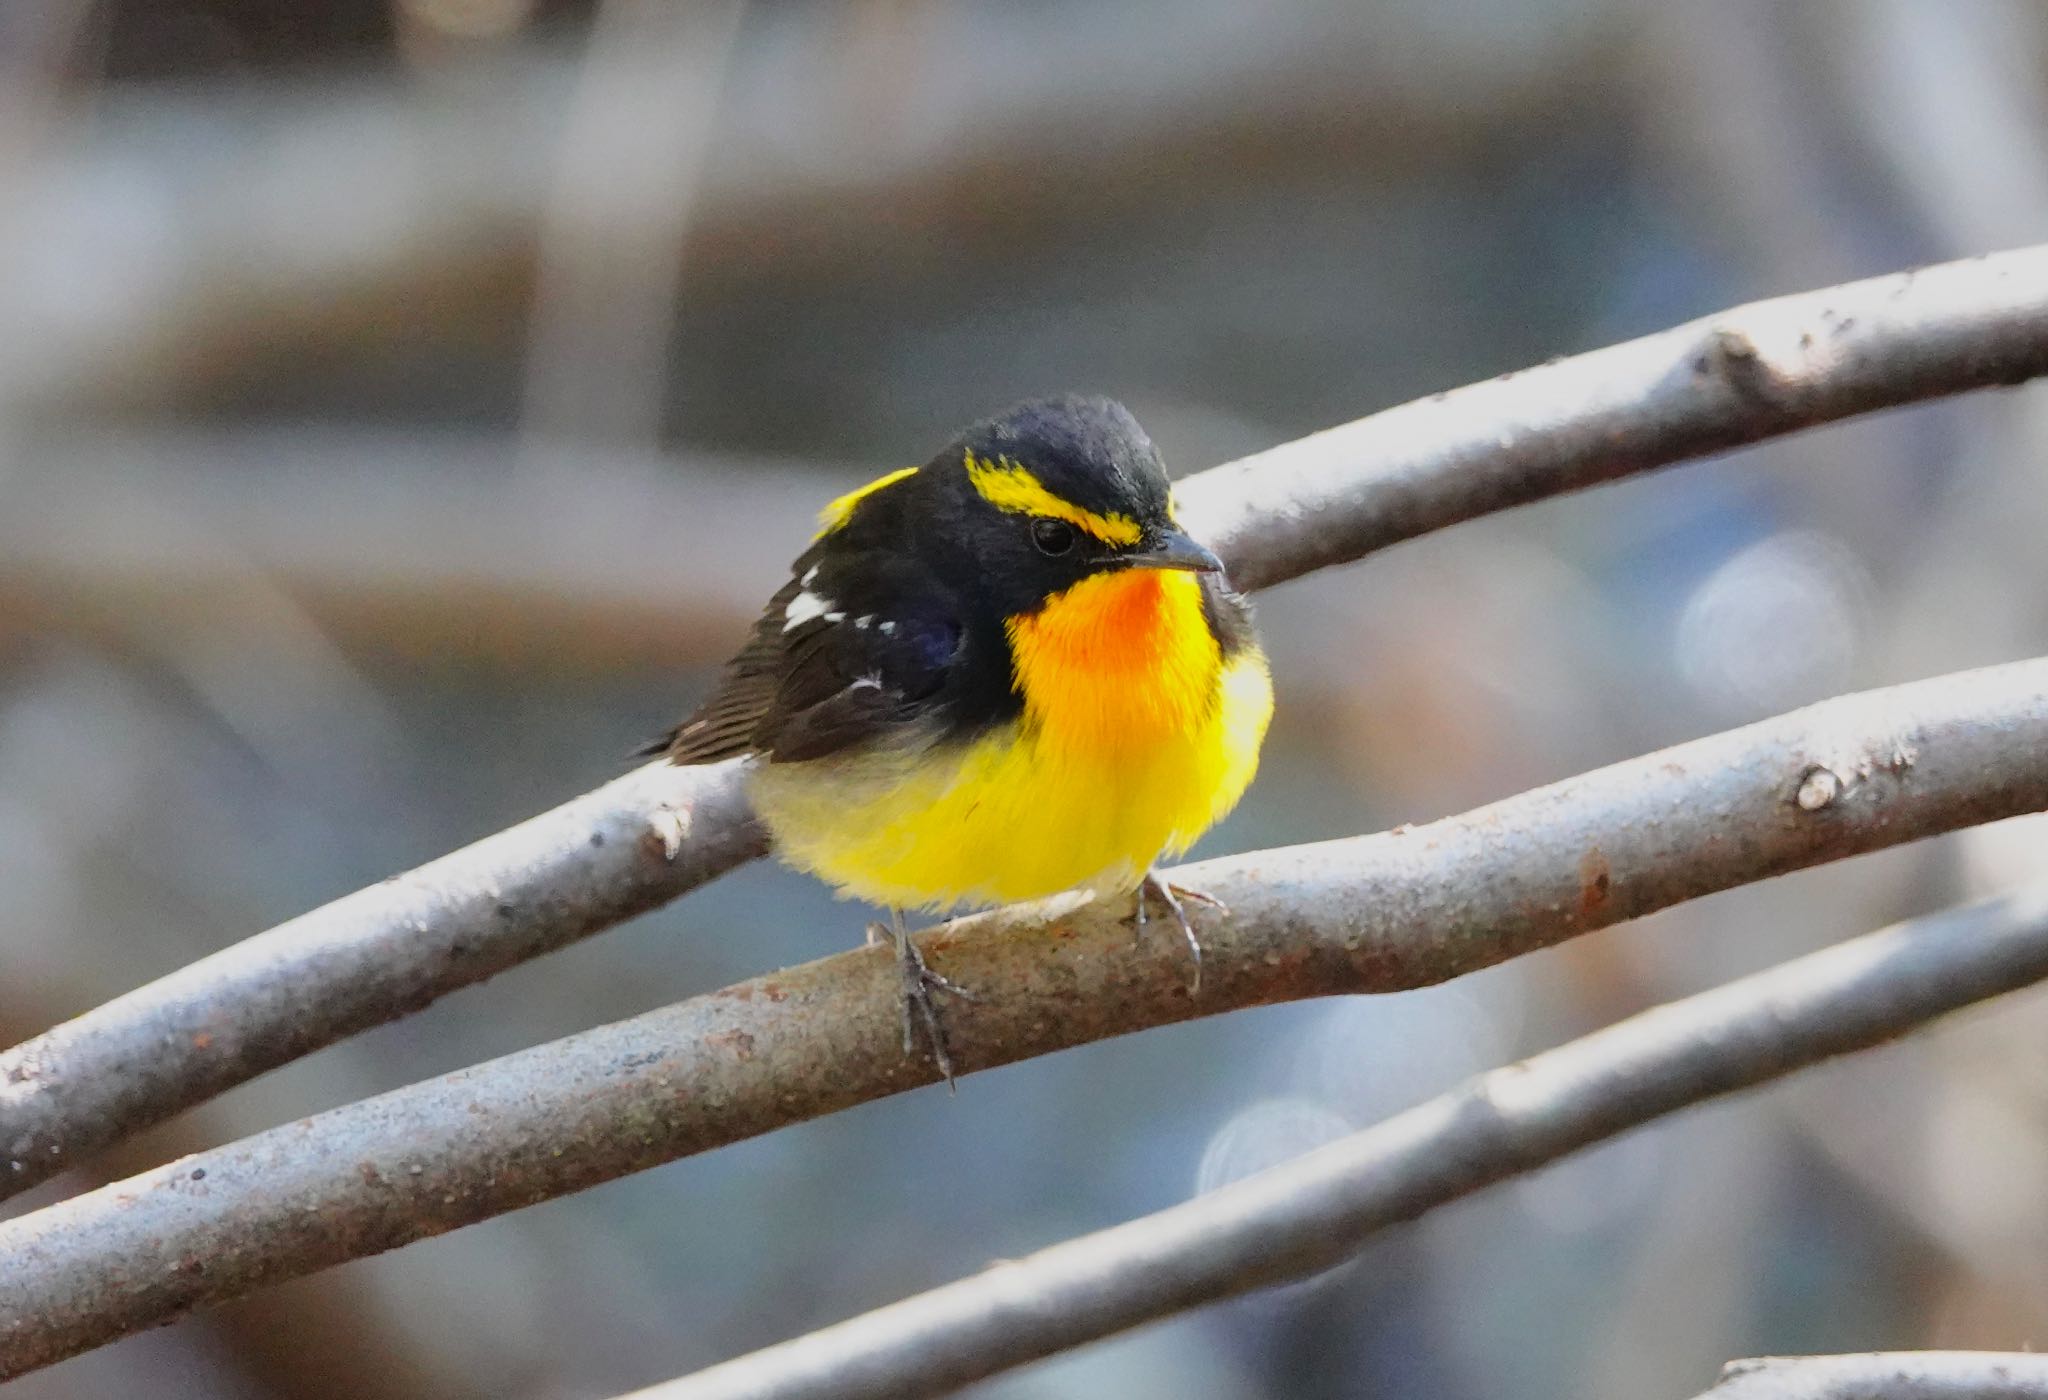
x,y
1009,487
841,509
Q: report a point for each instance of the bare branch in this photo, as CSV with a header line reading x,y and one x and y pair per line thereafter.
x,y
1374,913
1311,1213
371,957
1887,1375
1758,371
1768,368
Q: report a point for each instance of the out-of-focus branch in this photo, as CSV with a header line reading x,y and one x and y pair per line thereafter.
x,y
1767,368
1309,1214
1887,1375
631,157
163,535
1376,913
276,216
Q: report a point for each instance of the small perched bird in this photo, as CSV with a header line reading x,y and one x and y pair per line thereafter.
x,y
1000,675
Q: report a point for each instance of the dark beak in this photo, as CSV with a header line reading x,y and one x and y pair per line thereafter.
x,y
1174,550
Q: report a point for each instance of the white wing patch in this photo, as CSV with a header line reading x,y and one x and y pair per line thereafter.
x,y
802,608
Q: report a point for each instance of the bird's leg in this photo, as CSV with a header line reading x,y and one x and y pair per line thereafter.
x,y
919,981
1171,896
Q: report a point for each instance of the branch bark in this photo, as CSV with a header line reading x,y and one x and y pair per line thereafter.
x,y
1401,909
368,958
1312,1213
1768,368
1887,1375
1758,371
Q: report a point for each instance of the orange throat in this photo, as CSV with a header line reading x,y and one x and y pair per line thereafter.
x,y
1119,659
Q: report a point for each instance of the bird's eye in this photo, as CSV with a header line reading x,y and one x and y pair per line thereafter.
x,y
1054,537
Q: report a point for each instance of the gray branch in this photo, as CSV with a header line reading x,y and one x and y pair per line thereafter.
x,y
371,957
1401,909
1315,1211
1725,381
1887,1375
1747,374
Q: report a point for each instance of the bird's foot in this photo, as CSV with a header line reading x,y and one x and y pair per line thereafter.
x,y
1171,895
919,1009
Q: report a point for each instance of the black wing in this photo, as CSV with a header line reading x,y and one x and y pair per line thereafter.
x,y
853,645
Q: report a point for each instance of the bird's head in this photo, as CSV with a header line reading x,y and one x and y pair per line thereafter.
x,y
1033,501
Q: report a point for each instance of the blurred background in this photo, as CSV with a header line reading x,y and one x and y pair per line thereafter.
x,y
405,405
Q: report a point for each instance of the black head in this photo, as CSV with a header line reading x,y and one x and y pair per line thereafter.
x,y
1085,450
1024,505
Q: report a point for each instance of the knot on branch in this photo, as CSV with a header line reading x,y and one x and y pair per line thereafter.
x,y
1733,356
1823,785
1818,789
668,831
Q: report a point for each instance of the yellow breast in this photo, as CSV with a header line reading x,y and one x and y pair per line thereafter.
x,y
1137,735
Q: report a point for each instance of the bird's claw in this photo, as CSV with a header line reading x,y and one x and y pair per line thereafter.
x,y
1171,895
919,982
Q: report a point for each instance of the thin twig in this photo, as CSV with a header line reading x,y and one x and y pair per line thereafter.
x,y
1311,1213
1747,374
1887,1375
1401,909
